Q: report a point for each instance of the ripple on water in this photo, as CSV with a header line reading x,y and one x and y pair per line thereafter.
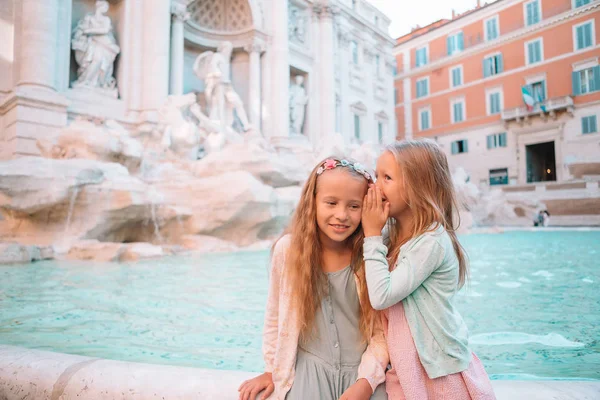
x,y
509,285
503,338
587,280
543,273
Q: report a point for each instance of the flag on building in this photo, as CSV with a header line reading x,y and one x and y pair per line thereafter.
x,y
528,98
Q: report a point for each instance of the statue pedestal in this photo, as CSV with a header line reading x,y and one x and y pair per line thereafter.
x,y
29,114
91,102
96,91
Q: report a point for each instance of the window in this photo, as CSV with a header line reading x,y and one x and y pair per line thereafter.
x,y
491,28
589,124
395,96
395,67
424,119
354,4
422,87
456,76
380,132
493,65
460,146
533,12
458,111
378,65
499,176
354,49
496,140
583,35
494,102
455,43
357,127
586,81
534,51
579,3
538,91
421,56
376,21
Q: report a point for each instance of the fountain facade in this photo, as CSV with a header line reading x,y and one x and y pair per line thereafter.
x,y
134,130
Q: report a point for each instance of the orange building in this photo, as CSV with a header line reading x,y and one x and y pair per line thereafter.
x,y
511,90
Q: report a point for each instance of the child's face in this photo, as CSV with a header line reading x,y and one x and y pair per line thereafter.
x,y
339,202
390,181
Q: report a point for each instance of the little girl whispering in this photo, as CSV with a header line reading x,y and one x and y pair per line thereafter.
x,y
415,274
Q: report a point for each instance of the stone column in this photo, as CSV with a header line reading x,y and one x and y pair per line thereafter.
x,y
155,55
33,110
279,93
326,69
254,51
36,33
179,16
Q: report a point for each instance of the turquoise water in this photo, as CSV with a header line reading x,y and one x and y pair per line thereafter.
x,y
533,307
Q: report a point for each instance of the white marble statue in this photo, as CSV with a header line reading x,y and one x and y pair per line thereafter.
x,y
222,99
181,135
298,100
95,50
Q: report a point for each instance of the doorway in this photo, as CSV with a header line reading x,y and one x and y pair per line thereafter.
x,y
541,162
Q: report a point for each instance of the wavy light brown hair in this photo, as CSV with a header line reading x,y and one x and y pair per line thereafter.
x,y
304,263
430,196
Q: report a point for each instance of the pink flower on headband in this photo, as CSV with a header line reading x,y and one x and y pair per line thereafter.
x,y
330,163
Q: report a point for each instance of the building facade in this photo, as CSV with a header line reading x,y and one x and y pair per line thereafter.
x,y
340,48
510,90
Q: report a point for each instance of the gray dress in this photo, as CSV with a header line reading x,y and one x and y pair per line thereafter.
x,y
327,363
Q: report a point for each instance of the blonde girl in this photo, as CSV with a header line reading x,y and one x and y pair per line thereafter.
x,y
322,339
426,335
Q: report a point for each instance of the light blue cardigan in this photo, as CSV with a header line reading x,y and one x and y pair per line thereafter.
x,y
425,279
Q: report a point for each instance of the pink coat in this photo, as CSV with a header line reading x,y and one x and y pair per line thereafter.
x,y
282,331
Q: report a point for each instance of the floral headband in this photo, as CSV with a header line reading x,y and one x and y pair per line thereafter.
x,y
331,163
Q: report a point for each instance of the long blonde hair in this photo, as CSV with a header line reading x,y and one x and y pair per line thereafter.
x,y
430,196
304,264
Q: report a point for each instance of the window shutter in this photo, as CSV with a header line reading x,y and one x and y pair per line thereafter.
x,y
587,29
579,32
486,69
538,51
502,139
575,77
490,141
530,53
449,44
544,92
500,64
596,73
536,11
454,147
584,125
461,42
593,124
465,146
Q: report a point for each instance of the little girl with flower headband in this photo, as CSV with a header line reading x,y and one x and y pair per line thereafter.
x,y
322,339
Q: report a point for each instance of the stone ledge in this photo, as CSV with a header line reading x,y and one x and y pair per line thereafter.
x,y
44,375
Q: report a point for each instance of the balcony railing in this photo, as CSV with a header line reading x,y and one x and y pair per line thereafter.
x,y
548,107
477,39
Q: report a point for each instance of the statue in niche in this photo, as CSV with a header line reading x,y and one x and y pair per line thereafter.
x,y
95,50
221,98
298,101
